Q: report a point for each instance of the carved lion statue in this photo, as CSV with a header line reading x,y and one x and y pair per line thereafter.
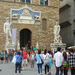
x,y
15,15
37,17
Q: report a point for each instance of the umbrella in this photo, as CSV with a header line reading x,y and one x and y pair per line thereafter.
x,y
72,47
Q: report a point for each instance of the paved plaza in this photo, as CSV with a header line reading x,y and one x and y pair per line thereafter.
x,y
9,69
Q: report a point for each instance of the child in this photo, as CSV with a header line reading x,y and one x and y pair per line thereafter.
x,y
18,63
51,62
32,58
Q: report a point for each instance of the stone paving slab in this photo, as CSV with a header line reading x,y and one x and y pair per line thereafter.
x,y
9,69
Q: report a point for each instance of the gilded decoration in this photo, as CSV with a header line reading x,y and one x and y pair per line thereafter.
x,y
26,12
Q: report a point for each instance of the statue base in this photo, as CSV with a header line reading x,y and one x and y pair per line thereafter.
x,y
10,46
54,46
18,47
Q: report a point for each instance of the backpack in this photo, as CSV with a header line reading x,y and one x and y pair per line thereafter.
x,y
65,63
46,61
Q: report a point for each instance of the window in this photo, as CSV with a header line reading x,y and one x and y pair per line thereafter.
x,y
41,2
44,2
22,0
44,24
26,1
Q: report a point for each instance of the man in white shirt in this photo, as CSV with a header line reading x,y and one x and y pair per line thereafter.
x,y
58,61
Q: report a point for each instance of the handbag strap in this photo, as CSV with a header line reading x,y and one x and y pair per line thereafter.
x,y
40,57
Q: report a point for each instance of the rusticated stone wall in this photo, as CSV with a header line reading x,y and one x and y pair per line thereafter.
x,y
44,37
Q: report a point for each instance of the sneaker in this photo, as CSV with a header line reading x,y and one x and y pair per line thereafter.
x,y
19,73
33,68
16,74
23,68
50,73
26,68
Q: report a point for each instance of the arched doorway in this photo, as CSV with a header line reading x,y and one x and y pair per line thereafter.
x,y
25,38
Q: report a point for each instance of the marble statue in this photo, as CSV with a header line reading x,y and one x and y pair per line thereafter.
x,y
57,37
7,29
37,45
18,45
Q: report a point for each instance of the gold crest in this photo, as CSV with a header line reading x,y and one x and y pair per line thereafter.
x,y
26,12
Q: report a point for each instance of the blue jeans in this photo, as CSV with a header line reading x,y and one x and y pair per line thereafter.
x,y
10,58
17,65
39,68
32,63
65,71
57,71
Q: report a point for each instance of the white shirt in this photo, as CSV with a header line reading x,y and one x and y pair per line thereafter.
x,y
58,59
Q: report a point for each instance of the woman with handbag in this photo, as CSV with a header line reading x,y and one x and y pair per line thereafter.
x,y
65,63
39,56
46,61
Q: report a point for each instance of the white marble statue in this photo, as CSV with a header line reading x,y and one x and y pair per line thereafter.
x,y
7,30
37,45
18,45
57,37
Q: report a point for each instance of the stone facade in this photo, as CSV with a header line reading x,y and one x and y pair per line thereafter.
x,y
44,37
67,21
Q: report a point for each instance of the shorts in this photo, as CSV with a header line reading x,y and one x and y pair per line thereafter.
x,y
24,61
2,58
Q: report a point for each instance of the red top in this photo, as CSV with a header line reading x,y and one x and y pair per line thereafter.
x,y
24,54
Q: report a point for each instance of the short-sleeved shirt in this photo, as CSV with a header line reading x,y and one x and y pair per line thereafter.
x,y
24,54
18,58
46,56
32,56
2,54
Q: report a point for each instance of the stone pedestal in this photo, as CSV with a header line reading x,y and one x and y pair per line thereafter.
x,y
18,47
10,46
55,45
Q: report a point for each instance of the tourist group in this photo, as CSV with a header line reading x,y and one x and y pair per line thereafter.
x,y
63,60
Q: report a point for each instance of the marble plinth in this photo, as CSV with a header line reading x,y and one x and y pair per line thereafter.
x,y
10,46
54,46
